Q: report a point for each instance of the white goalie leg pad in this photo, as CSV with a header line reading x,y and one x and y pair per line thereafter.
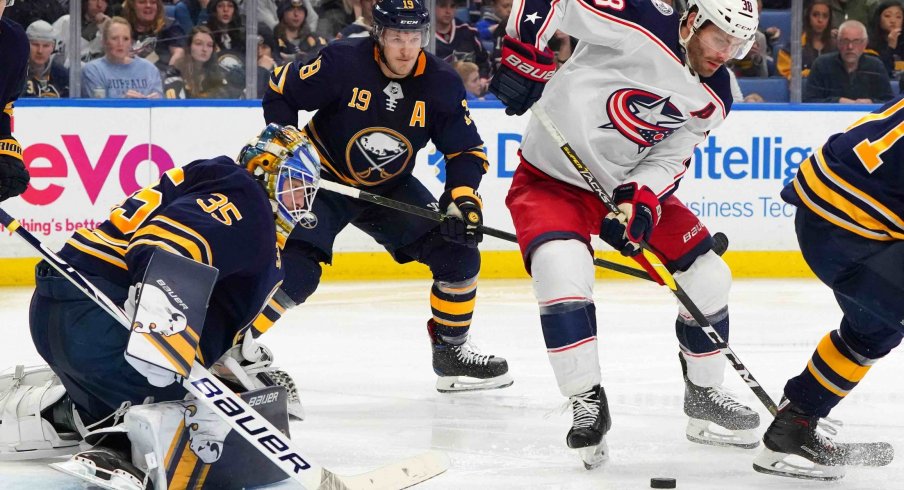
x,y
250,364
24,432
707,283
563,275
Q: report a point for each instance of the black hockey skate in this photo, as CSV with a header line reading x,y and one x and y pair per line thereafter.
x,y
795,448
105,468
591,423
716,418
463,368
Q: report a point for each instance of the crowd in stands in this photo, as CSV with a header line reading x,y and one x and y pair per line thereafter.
x,y
851,50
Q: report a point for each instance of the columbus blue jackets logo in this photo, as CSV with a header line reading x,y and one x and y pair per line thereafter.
x,y
375,155
643,117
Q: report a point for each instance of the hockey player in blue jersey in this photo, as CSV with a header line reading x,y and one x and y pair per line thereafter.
x,y
850,227
379,100
199,211
14,62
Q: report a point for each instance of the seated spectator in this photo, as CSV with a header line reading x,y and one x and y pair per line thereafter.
x,y
885,33
226,26
44,77
458,42
816,40
266,14
94,14
486,26
201,76
334,16
754,97
191,13
848,76
157,37
295,40
267,58
755,64
475,88
117,74
363,25
28,11
851,10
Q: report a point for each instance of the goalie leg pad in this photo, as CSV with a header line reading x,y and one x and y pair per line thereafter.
x,y
27,401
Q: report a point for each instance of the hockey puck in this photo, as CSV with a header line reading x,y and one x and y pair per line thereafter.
x,y
663,483
720,243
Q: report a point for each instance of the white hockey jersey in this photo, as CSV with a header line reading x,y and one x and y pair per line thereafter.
x,y
625,101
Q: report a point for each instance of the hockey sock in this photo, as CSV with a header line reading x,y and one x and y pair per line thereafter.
x,y
832,372
452,304
569,330
705,364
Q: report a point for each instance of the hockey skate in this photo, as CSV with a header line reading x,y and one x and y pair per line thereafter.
x,y
716,418
591,423
105,468
463,368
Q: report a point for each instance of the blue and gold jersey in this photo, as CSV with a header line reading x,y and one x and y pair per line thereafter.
x,y
368,127
13,62
856,180
212,211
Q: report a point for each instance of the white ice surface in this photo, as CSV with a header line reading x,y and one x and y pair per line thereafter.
x,y
360,355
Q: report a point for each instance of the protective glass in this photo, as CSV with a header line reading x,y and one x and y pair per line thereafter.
x,y
718,40
415,38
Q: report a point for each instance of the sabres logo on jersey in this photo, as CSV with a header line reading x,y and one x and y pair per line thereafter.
x,y
375,155
643,117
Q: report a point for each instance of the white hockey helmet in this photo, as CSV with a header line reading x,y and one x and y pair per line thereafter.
x,y
737,18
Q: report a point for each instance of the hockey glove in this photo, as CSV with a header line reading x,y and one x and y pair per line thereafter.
x,y
13,175
523,72
640,211
463,216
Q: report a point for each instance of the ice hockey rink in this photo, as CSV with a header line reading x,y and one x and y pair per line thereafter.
x,y
360,355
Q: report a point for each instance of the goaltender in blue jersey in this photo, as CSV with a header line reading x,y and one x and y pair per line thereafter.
x,y
850,227
378,101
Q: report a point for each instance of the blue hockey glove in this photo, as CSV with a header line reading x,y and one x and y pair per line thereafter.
x,y
523,72
13,175
463,216
640,211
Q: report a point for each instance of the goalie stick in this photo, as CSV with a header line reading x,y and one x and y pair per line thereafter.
x,y
721,241
242,418
659,267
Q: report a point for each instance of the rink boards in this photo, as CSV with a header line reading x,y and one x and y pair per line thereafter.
x,y
85,156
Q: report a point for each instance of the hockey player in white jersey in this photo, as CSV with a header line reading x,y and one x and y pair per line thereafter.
x,y
643,87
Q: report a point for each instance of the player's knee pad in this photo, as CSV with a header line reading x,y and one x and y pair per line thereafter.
x,y
562,270
302,269
451,262
707,283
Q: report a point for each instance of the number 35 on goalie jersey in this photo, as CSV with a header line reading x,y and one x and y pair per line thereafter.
x,y
368,127
211,211
854,180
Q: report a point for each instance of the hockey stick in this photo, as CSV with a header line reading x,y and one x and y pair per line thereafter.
x,y
653,260
242,418
437,216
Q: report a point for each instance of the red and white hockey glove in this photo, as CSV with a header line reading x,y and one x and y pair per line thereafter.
x,y
523,72
640,211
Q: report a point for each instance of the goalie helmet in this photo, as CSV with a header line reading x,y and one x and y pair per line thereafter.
x,y
288,166
401,15
737,18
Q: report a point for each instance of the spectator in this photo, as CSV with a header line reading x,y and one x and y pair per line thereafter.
x,y
363,25
562,46
754,97
816,40
118,74
157,37
94,14
756,63
226,26
486,26
848,76
267,58
458,42
851,10
885,33
475,88
334,16
266,14
201,75
295,40
28,11
44,77
191,13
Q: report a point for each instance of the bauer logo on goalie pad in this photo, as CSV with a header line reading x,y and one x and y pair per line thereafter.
x,y
156,311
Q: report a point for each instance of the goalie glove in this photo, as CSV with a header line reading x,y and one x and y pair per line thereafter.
x,y
639,213
463,210
523,72
13,175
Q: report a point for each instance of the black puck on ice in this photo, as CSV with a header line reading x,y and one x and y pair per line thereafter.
x,y
663,483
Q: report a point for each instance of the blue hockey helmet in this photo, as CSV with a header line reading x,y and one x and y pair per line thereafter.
x,y
401,15
288,166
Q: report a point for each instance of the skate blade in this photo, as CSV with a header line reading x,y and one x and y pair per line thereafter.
x,y
56,452
88,474
706,432
793,466
452,384
594,456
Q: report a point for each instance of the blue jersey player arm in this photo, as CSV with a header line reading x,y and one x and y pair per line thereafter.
x,y
302,87
455,135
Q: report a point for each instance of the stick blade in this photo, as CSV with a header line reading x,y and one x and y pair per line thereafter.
x,y
403,474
